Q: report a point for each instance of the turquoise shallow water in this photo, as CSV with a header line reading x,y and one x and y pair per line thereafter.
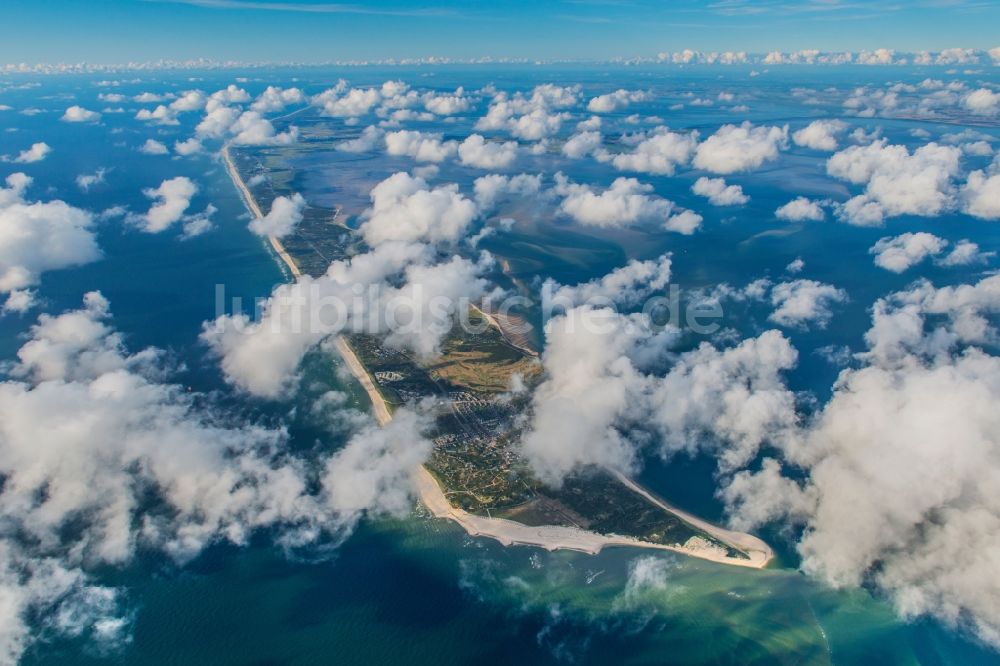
x,y
421,592
418,591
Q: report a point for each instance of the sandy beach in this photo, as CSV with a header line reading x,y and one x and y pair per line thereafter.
x,y
759,552
555,537
255,210
379,407
508,532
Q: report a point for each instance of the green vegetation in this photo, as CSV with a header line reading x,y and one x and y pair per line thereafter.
x,y
612,508
482,362
468,389
479,475
398,378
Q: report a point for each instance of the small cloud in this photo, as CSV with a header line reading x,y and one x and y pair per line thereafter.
x,y
153,147
87,180
36,153
78,114
19,301
191,146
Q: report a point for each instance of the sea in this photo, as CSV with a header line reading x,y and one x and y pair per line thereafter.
x,y
416,590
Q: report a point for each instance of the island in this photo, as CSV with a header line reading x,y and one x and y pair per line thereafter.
x,y
475,475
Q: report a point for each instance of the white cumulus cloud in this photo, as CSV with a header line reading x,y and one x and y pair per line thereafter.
x,y
982,102
38,152
800,303
896,181
615,101
404,208
627,285
153,147
625,202
421,146
660,153
102,460
893,481
263,356
78,114
582,144
820,134
368,140
281,220
798,209
718,193
898,253
40,236
735,148
475,151
171,199
980,195
275,99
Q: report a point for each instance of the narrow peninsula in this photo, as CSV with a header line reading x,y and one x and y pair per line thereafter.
x,y
475,475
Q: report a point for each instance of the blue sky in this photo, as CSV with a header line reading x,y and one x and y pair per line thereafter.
x,y
107,31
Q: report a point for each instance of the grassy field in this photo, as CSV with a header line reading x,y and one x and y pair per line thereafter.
x,y
481,362
476,457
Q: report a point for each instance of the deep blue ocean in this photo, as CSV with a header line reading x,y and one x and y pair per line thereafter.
x,y
420,591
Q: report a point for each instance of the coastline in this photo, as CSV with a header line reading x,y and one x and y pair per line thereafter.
x,y
496,323
379,408
508,532
251,204
757,549
554,537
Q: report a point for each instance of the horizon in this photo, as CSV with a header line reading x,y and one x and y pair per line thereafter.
x,y
881,57
118,31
